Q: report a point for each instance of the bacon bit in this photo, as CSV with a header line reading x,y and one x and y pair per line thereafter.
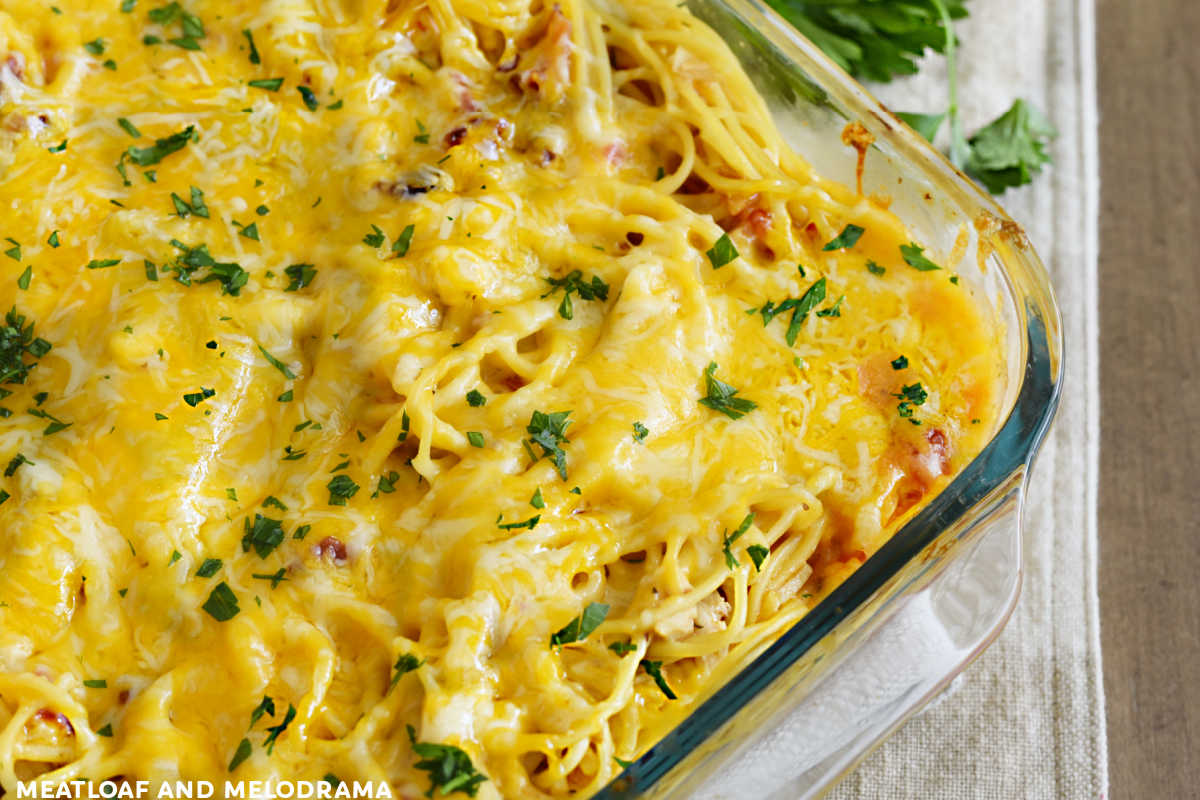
x,y
52,717
856,136
694,185
514,382
16,65
634,238
123,697
547,157
332,548
466,101
549,59
811,231
455,137
616,154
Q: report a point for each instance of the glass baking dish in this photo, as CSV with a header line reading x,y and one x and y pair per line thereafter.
x,y
900,628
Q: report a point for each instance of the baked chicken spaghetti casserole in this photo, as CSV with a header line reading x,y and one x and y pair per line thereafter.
x,y
447,394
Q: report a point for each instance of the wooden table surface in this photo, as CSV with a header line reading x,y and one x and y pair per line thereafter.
x,y
1150,393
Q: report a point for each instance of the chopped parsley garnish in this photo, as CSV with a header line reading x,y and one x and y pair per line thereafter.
x,y
911,396
537,501
475,438
276,363
175,556
25,278
758,554
231,493
230,275
800,309
405,664
722,397
264,535
309,98
106,731
103,263
475,398
129,127
422,136
53,240
254,57
387,484
722,252
341,488
13,252
270,84
914,256
375,238
450,769
874,268
548,432
640,431
530,523
834,310
286,397
262,211
194,399
574,282
159,417
147,156
582,626
276,730
55,425
248,231
242,753
4,496
127,6
900,363
302,531
730,538
265,706
15,464
95,47
846,239
58,148
654,670
196,207
275,578
96,683
400,246
271,501
222,603
621,648
210,567
301,275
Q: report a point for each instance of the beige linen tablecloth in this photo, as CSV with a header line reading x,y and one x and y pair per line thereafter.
x,y
1027,719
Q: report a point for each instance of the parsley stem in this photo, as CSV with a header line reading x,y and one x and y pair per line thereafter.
x,y
958,142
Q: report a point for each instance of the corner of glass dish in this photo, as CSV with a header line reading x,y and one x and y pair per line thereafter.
x,y
812,705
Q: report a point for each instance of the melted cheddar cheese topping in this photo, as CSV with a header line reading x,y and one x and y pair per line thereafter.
x,y
450,393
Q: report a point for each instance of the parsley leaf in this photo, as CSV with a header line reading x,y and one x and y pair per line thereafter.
x,y
873,39
914,256
582,626
722,252
530,523
309,98
146,156
574,283
640,431
846,239
621,648
16,341
722,397
730,538
254,57
194,399
276,730
475,398
265,706
925,124
301,275
654,670
758,554
911,395
270,84
1012,149
277,364
400,246
264,535
548,432
242,753
450,769
222,603
341,488
405,664
209,568
375,238
129,127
